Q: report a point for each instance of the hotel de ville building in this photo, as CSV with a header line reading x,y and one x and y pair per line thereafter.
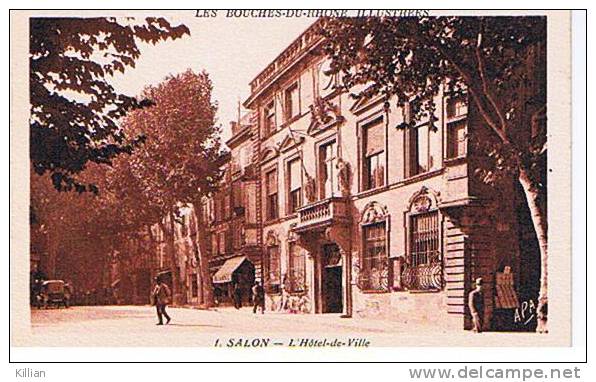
x,y
337,210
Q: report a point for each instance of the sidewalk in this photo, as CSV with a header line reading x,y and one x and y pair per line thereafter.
x,y
334,321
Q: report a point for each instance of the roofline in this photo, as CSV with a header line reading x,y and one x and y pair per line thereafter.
x,y
257,90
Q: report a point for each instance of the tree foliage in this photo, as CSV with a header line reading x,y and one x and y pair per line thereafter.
x,y
499,61
74,108
178,163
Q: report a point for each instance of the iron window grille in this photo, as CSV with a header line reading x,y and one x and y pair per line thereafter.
x,y
424,269
374,267
273,270
296,277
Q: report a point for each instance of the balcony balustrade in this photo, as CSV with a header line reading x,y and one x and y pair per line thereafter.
x,y
322,213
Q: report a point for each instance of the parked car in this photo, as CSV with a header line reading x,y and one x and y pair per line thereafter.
x,y
54,292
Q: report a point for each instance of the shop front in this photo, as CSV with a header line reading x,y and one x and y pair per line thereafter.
x,y
235,277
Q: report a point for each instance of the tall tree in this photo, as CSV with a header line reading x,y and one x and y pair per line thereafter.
x,y
499,61
74,108
179,162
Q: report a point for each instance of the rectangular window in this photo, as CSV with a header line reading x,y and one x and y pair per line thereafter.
x,y
227,204
456,139
229,240
419,160
214,241
297,273
456,113
194,285
216,207
291,102
294,185
269,119
273,268
328,184
244,156
374,267
238,237
250,196
272,203
456,107
374,155
221,243
238,198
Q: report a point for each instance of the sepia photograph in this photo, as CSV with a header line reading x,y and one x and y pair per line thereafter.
x,y
290,178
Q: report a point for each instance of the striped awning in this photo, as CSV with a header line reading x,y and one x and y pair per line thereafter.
x,y
224,274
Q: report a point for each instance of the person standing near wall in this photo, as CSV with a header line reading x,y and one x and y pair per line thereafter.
x,y
476,306
258,298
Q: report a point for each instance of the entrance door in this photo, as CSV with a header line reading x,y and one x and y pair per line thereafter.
x,y
332,289
332,280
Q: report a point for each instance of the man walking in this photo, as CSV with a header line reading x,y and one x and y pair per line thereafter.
x,y
258,297
161,298
476,306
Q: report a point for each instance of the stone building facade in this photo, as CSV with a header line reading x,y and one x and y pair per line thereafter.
x,y
357,216
233,217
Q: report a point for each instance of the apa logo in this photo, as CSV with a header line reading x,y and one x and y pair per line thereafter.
x,y
525,313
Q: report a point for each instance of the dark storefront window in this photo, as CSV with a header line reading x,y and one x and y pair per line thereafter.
x,y
374,267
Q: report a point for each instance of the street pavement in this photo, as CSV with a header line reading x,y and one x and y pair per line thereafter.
x,y
135,326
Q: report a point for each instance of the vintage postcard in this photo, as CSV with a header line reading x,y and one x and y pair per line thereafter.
x,y
299,179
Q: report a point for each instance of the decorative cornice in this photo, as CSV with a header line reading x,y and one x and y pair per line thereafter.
x,y
269,153
289,143
374,212
423,200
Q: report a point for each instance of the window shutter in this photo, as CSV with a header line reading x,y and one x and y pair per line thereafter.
x,y
271,182
295,179
374,138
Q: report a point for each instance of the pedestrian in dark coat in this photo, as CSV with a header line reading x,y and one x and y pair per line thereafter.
x,y
258,298
161,298
237,296
476,306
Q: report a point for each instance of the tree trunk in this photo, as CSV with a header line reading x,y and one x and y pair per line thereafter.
x,y
539,220
202,240
171,252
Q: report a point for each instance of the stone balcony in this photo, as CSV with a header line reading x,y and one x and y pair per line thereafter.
x,y
323,213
